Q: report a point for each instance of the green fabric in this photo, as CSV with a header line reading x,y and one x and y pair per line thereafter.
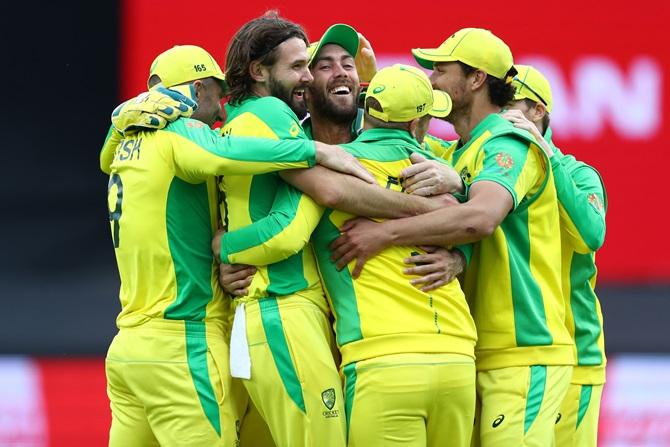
x,y
272,111
339,284
274,333
466,249
189,240
284,209
385,145
584,312
538,379
584,399
349,391
530,322
196,353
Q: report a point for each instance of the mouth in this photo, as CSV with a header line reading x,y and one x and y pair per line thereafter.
x,y
299,93
340,90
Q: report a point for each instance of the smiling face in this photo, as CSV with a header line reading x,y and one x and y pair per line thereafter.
x,y
450,78
334,92
290,76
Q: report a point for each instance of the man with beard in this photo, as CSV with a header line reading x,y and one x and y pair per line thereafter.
x,y
524,351
281,340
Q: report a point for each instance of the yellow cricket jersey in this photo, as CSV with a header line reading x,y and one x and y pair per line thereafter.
x,y
380,312
513,281
582,207
249,198
162,202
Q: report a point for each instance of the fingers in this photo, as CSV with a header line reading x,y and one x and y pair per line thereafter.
x,y
413,170
436,285
362,173
360,263
416,157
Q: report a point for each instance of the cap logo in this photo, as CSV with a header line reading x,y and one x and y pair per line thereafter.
x,y
379,89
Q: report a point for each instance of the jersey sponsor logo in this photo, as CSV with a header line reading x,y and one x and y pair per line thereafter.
x,y
465,175
329,397
294,130
504,160
497,421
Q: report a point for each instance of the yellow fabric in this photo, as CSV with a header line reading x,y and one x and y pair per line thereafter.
x,y
254,431
309,336
476,47
503,394
153,397
530,83
405,93
412,400
568,432
184,63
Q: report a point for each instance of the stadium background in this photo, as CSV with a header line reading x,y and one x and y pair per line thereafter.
x,y
67,64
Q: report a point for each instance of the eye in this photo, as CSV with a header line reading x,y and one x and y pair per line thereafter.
x,y
348,66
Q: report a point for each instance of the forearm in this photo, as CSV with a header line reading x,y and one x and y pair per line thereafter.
x,y
350,194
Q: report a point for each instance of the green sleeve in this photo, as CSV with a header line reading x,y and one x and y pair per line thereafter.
x,y
200,152
582,202
108,150
466,249
509,162
282,233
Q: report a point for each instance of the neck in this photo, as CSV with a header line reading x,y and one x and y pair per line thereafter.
x,y
329,132
260,90
481,108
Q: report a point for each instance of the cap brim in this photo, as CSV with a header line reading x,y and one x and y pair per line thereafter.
x,y
340,34
426,57
441,104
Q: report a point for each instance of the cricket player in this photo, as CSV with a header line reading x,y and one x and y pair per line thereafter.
x,y
524,351
582,206
167,368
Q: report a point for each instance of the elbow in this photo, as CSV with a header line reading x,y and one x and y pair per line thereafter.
x,y
481,227
329,195
596,240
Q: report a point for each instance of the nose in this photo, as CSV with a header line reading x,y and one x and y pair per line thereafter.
x,y
339,71
433,78
306,75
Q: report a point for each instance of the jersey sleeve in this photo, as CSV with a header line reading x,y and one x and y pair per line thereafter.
x,y
282,233
582,202
200,152
108,150
509,162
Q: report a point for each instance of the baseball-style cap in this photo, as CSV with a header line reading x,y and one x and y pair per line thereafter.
x,y
531,84
405,93
476,47
184,63
340,34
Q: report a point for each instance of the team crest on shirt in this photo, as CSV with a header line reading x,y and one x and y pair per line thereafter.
x,y
595,201
465,175
294,130
195,124
504,160
328,397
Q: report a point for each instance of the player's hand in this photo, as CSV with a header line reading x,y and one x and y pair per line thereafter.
x,y
360,239
436,268
366,64
216,244
520,121
236,278
152,110
337,159
430,177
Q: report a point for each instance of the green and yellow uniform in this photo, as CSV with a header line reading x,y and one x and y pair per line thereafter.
x,y
167,367
287,318
390,334
582,206
524,351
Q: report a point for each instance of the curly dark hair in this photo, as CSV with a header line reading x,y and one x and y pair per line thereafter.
x,y
257,40
500,92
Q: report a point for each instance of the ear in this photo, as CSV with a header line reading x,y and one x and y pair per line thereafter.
x,y
538,112
414,126
199,88
477,79
258,72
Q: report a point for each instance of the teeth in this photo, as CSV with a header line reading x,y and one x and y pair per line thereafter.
x,y
341,89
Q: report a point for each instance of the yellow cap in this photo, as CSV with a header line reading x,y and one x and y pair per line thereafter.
x,y
184,63
476,47
531,84
340,34
405,93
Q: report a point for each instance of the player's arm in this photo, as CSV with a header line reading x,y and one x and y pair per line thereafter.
x,y
282,233
199,152
582,202
494,193
347,193
108,150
